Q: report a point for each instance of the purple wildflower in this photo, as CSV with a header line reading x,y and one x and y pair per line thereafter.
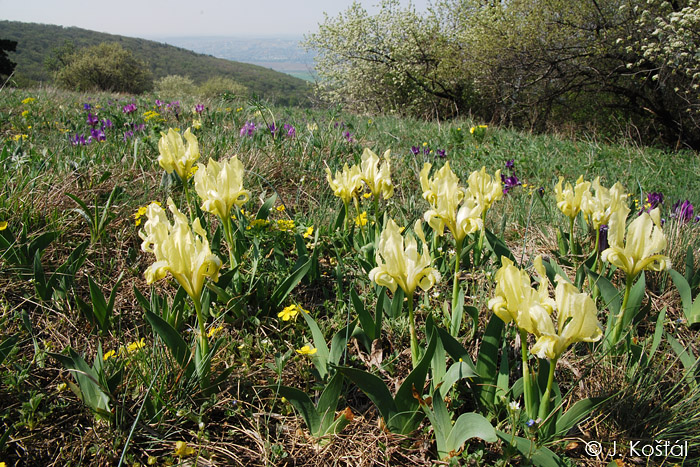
x,y
106,123
683,210
291,131
248,129
159,103
426,150
348,136
79,140
129,108
415,150
87,106
440,153
128,134
92,120
510,164
509,183
654,199
540,191
97,135
273,129
199,108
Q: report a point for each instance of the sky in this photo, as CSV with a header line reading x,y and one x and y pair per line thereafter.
x,y
158,18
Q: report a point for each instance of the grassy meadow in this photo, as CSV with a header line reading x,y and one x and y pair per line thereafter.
x,y
286,344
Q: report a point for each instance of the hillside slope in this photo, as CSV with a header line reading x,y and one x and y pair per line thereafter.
x,y
36,41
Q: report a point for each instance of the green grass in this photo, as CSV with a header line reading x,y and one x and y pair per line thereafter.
x,y
154,403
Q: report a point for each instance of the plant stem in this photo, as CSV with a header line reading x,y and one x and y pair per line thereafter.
x,y
544,403
456,320
572,241
617,327
203,341
527,379
412,328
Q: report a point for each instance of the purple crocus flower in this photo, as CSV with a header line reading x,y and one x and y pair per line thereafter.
x,y
509,182
291,131
510,164
683,210
92,120
199,108
415,150
440,153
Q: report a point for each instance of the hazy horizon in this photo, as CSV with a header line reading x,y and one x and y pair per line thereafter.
x,y
210,18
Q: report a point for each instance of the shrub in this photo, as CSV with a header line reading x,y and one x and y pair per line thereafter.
x,y
107,67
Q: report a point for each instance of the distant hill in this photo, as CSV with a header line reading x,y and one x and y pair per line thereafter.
x,y
282,53
36,41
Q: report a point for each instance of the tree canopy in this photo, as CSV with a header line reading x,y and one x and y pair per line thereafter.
x,y
530,63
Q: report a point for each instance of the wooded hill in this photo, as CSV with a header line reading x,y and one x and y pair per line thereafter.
x,y
35,42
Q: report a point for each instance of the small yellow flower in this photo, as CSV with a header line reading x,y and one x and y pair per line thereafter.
x,y
192,171
25,113
285,225
369,121
309,231
367,195
239,109
306,350
361,220
28,100
291,312
214,332
280,208
196,124
183,450
258,224
109,355
425,144
134,346
311,127
20,137
3,225
60,387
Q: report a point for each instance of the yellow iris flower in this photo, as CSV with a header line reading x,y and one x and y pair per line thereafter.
x,y
174,155
378,180
515,300
400,266
570,199
599,207
451,207
220,186
484,188
346,184
182,251
577,321
640,248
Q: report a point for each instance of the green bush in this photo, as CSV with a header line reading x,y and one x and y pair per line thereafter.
x,y
174,87
106,67
218,85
